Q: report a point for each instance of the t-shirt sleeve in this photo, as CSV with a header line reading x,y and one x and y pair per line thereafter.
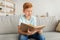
x,y
20,21
35,21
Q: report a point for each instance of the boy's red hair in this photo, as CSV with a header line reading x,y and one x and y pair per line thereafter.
x,y
27,5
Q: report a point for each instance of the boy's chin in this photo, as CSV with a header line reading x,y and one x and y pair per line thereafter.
x,y
28,15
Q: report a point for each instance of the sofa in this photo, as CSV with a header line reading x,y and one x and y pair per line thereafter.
x,y
9,30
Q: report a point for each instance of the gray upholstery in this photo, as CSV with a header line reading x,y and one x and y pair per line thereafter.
x,y
52,35
48,36
49,22
9,37
8,27
8,24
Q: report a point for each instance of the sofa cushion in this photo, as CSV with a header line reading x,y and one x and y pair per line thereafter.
x,y
8,24
9,37
52,35
48,36
49,22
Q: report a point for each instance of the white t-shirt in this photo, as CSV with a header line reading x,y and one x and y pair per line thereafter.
x,y
32,20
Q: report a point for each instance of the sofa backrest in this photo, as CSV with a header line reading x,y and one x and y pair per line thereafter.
x,y
8,24
49,22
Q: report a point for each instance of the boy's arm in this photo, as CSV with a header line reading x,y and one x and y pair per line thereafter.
x,y
19,31
25,33
40,31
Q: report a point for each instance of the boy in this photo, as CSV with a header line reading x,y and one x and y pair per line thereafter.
x,y
27,18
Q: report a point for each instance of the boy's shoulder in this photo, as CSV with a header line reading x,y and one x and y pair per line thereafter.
x,y
33,16
21,16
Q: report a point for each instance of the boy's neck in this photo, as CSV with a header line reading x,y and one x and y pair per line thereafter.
x,y
28,17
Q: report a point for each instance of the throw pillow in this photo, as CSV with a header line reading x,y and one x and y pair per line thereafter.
x,y
58,27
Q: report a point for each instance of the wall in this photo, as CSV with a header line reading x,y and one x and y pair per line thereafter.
x,y
7,8
41,7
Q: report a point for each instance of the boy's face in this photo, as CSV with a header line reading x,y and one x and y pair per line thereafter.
x,y
28,11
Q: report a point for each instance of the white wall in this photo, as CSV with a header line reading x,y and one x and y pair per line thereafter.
x,y
41,7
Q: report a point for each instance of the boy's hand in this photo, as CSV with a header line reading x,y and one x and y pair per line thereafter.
x,y
39,31
31,33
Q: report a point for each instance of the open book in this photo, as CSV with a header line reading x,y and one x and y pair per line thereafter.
x,y
25,27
